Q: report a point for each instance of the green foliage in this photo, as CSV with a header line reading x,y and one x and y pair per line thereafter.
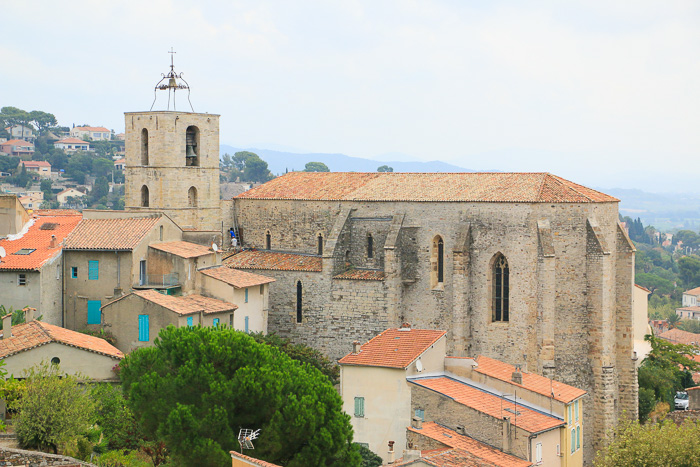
x,y
302,353
690,325
114,417
385,168
8,163
689,270
17,315
650,445
99,191
369,459
654,283
124,459
53,409
197,386
647,401
316,167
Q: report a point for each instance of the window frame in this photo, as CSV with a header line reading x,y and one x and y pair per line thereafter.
x,y
300,302
21,279
500,289
74,272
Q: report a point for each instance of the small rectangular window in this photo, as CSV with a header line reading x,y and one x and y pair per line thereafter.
x,y
573,440
21,279
246,295
538,453
230,320
74,272
262,289
359,406
144,335
190,321
216,322
420,413
93,270
94,315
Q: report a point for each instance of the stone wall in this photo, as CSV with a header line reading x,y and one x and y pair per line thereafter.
x,y
34,458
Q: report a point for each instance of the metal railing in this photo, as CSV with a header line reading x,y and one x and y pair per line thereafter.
x,y
159,280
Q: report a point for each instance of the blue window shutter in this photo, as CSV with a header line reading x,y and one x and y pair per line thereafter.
x,y
189,321
578,437
216,322
143,328
94,316
246,295
246,324
93,270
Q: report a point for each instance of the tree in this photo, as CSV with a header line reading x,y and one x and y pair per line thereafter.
x,y
663,444
385,168
197,386
12,116
240,158
689,270
42,120
316,167
45,186
369,458
256,170
114,417
99,191
54,408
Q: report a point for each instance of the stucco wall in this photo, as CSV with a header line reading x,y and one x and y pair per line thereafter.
x,y
73,361
19,296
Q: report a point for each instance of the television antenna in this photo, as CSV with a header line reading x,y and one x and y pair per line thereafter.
x,y
246,437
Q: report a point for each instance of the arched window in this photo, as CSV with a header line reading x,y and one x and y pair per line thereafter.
x,y
192,146
268,240
299,302
145,202
144,147
370,246
192,197
320,244
437,260
500,288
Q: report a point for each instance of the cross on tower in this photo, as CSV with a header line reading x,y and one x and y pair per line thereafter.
x,y
172,55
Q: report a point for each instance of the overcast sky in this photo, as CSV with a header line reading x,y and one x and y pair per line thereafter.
x,y
606,93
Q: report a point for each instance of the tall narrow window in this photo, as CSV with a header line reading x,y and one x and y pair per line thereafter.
x,y
578,437
268,240
437,263
246,295
440,261
573,440
192,197
320,244
144,147
359,406
246,325
144,197
94,316
192,146
370,246
500,288
190,321
160,236
299,302
144,333
93,270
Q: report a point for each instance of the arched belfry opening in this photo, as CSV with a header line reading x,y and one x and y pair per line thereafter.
x,y
192,146
192,197
145,201
144,147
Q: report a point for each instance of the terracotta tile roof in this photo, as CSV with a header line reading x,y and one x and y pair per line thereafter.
x,y
272,260
236,278
252,460
92,128
110,234
531,381
453,439
678,336
695,291
429,187
689,308
71,141
34,164
56,212
394,348
361,275
183,249
120,161
39,240
181,305
35,333
15,142
642,288
448,458
489,404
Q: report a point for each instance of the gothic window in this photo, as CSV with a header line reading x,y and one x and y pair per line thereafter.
x,y
500,288
268,240
437,260
299,302
370,246
192,197
192,146
320,244
144,147
144,197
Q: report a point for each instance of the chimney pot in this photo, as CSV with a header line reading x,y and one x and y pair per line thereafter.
x,y
7,326
54,242
417,423
517,376
29,314
356,347
405,327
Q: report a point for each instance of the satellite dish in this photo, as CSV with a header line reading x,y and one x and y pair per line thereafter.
x,y
2,252
246,437
214,247
419,366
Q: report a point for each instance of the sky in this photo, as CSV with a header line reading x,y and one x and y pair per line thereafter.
x,y
601,92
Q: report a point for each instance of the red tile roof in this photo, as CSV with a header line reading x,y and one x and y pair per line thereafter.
x,y
678,336
453,439
181,305
183,249
489,404
689,308
429,187
110,234
36,333
16,142
56,212
531,381
642,288
361,275
394,348
34,164
695,291
447,457
236,278
39,240
263,259
71,141
252,460
92,128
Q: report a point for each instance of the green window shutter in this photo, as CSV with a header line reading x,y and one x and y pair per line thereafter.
x,y
570,416
93,270
576,411
94,315
359,406
143,328
246,325
578,437
246,295
573,440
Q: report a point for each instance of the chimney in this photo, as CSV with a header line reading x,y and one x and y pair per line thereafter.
x,y
517,376
7,326
417,423
391,452
356,347
405,327
29,314
54,242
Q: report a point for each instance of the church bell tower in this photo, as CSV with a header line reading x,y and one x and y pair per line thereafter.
x,y
172,161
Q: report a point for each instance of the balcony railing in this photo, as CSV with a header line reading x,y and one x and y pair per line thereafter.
x,y
159,280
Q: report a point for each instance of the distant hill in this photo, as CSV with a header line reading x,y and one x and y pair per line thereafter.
x,y
280,162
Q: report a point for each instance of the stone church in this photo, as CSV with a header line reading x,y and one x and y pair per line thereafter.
x,y
527,268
